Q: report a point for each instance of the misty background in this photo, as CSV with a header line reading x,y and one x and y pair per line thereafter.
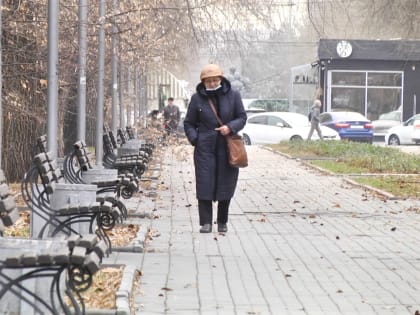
x,y
256,42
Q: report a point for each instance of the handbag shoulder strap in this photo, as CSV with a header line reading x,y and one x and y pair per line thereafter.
x,y
215,113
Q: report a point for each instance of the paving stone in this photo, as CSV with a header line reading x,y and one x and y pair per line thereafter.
x,y
299,242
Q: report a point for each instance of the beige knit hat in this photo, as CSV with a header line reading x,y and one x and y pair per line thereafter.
x,y
211,70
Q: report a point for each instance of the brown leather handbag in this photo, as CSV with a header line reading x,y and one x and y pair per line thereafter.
x,y
235,145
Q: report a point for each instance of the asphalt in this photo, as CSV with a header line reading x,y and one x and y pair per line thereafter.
x,y
300,241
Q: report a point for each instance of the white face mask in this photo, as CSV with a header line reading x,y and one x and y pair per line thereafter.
x,y
214,89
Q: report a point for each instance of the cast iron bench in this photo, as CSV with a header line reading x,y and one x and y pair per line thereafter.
x,y
135,149
125,139
61,266
130,132
78,162
134,164
38,186
114,186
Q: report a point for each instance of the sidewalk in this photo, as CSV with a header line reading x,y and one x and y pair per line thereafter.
x,y
299,242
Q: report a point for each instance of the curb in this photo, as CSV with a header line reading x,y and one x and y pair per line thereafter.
x,y
125,292
376,190
123,295
352,182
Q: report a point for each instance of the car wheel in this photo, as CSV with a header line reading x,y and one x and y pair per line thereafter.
x,y
296,138
393,140
246,139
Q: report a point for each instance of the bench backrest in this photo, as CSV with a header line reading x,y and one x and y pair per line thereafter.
x,y
41,144
81,154
48,171
9,213
112,139
121,136
130,132
108,147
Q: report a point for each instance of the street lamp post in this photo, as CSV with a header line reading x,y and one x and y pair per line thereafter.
x,y
100,99
52,128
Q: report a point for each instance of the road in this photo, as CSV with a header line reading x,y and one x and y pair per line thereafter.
x,y
415,149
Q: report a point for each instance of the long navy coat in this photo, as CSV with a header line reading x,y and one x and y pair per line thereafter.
x,y
215,178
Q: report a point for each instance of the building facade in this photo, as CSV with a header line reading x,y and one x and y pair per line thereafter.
x,y
369,76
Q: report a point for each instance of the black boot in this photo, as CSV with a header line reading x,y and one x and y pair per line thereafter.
x,y
222,228
206,228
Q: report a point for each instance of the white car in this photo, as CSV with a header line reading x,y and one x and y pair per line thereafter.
x,y
386,121
405,133
273,127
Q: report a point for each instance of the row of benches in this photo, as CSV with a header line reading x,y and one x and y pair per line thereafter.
x,y
126,155
62,264
69,220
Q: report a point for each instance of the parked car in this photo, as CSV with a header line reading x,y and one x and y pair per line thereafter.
x,y
349,125
416,132
270,105
385,122
252,110
407,133
273,127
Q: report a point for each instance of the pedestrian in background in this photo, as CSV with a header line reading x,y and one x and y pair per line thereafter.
x,y
314,118
171,116
215,179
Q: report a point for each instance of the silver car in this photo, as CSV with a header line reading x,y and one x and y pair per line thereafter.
x,y
385,122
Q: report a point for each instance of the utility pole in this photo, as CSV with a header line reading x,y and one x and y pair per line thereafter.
x,y
81,87
136,108
53,9
121,93
1,85
114,67
100,99
130,96
289,38
143,99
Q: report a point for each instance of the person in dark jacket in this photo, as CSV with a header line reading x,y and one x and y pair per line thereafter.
x,y
215,179
171,116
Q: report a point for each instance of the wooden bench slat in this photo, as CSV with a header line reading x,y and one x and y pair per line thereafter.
x,y
4,190
100,249
29,259
12,261
92,262
10,217
78,255
7,204
61,256
88,241
73,240
45,259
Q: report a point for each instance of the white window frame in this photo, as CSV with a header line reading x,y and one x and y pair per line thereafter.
x,y
366,86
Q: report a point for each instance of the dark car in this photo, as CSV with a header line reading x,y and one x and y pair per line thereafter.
x,y
349,125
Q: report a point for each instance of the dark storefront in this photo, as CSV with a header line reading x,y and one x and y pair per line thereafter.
x,y
369,76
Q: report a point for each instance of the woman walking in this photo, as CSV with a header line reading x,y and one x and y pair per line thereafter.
x,y
215,179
